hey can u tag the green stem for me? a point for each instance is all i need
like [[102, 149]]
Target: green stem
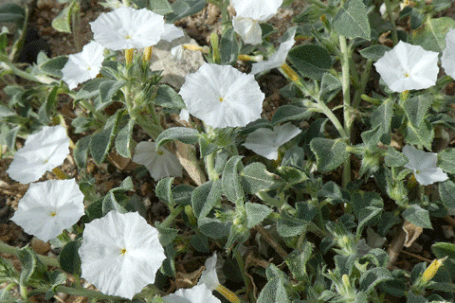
[[153, 130], [246, 280], [347, 105], [168, 221], [264, 196], [14, 70], [363, 83], [388, 6], [83, 292], [5, 248]]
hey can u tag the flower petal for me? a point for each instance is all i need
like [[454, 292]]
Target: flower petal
[[42, 151], [49, 207], [248, 29], [120, 254], [196, 294], [448, 54]]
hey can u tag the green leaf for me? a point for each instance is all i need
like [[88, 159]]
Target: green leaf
[[256, 213], [394, 158], [200, 243], [292, 175], [54, 66], [446, 160], [11, 12], [373, 277], [417, 107], [444, 249], [274, 292], [110, 202], [329, 153], [289, 226], [48, 106], [182, 194], [330, 86], [62, 23], [166, 234], [109, 88], [351, 20], [167, 97], [420, 136], [205, 197], [297, 260], [161, 7], [383, 116], [447, 193], [214, 228], [182, 134], [101, 141], [418, 216], [310, 60], [32, 268], [255, 178], [8, 136], [431, 35], [124, 139], [163, 190], [183, 8], [374, 52], [80, 152], [289, 113], [90, 89], [69, 258], [229, 47], [231, 181], [413, 298]]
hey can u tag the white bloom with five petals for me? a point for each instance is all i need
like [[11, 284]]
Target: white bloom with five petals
[[160, 163], [126, 28], [423, 164], [222, 96], [120, 254], [49, 207], [448, 54], [277, 59], [83, 66], [196, 294], [408, 67], [265, 142], [42, 152]]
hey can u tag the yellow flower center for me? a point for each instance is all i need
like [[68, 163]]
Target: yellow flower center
[[221, 99], [417, 171], [406, 75], [53, 214], [160, 152], [128, 37], [123, 251]]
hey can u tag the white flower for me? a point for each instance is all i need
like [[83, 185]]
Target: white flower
[[120, 254], [448, 54], [49, 207], [171, 32], [222, 96], [277, 59], [423, 164], [249, 14], [408, 67], [265, 142], [126, 28], [209, 276], [42, 152], [83, 66], [160, 163], [196, 294]]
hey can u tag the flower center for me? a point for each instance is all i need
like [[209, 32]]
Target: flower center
[[221, 99], [123, 251], [406, 75], [417, 171], [53, 214], [128, 37], [160, 152]]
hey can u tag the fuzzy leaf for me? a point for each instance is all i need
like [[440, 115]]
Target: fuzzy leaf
[[431, 35], [447, 193], [351, 20], [256, 213], [329, 153], [124, 139], [288, 112], [255, 178], [182, 134], [416, 108], [374, 52], [420, 136], [394, 158], [446, 160], [231, 181], [167, 97], [101, 141], [205, 197], [69, 258], [310, 60], [418, 216]]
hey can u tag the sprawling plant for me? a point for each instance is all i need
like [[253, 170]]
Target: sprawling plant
[[312, 205]]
